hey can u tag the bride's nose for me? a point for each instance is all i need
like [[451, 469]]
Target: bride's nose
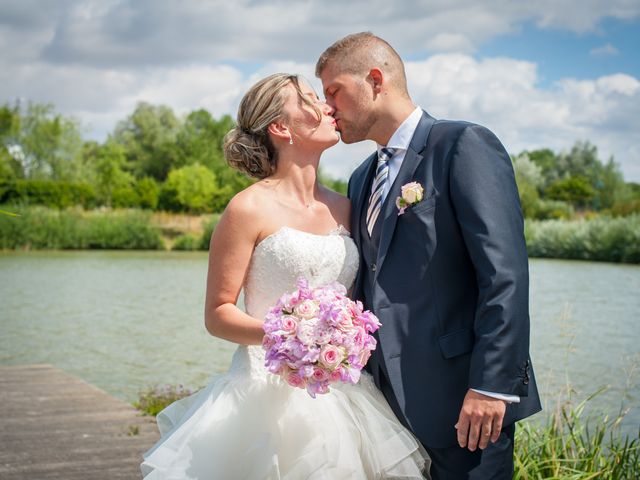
[[327, 109]]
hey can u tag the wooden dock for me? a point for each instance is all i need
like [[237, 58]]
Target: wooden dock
[[56, 426]]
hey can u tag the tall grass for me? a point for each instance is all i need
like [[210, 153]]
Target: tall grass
[[570, 446], [44, 228], [600, 239], [197, 242]]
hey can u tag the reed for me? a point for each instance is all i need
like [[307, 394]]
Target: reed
[[570, 445], [44, 228]]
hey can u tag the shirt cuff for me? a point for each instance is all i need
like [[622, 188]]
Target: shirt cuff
[[499, 396]]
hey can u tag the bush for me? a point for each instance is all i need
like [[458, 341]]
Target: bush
[[148, 193], [600, 239], [553, 210], [43, 228], [208, 226], [50, 193], [192, 188], [187, 242]]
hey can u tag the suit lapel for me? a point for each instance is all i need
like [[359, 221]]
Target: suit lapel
[[409, 165]]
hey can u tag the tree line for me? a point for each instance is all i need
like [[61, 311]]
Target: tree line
[[157, 160]]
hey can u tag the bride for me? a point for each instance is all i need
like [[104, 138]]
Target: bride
[[247, 423]]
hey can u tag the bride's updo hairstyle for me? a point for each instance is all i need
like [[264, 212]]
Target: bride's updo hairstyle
[[248, 147]]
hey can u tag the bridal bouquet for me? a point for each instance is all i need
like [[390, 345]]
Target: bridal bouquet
[[318, 336]]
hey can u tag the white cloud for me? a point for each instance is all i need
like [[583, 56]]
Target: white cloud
[[127, 33], [604, 51], [96, 58], [503, 94]]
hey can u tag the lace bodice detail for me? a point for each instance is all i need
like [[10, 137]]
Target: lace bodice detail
[[277, 263]]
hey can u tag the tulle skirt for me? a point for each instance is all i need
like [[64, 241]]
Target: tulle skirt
[[248, 426]]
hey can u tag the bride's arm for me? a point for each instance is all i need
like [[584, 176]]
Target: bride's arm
[[230, 251]]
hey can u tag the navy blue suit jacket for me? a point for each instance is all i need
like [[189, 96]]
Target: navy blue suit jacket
[[451, 281]]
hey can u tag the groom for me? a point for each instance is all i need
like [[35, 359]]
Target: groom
[[447, 274]]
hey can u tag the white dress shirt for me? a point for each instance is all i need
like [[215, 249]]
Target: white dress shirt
[[400, 140]]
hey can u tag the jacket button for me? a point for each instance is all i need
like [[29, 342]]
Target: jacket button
[[525, 380], [373, 267]]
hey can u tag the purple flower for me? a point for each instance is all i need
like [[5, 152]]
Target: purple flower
[[318, 336]]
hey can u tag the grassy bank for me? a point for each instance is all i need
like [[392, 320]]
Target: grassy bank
[[599, 239], [44, 228]]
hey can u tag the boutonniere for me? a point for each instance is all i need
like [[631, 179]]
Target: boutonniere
[[411, 193]]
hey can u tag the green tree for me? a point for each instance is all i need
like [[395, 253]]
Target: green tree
[[149, 137], [193, 188], [42, 143], [111, 178], [546, 161], [575, 190], [148, 193]]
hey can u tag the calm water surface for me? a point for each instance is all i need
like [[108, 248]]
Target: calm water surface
[[127, 320]]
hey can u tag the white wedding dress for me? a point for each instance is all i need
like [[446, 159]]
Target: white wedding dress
[[248, 424]]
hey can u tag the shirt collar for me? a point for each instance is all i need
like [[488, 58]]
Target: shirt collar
[[401, 138]]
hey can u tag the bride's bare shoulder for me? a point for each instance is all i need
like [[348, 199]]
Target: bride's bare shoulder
[[246, 208], [340, 206]]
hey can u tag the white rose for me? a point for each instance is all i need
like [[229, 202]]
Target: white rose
[[412, 192]]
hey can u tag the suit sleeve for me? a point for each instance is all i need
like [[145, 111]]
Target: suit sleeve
[[487, 207]]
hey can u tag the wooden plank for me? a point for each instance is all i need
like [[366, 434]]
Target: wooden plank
[[56, 426]]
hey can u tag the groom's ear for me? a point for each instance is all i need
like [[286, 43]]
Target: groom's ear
[[377, 79]]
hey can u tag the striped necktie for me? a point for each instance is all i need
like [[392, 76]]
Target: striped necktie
[[375, 200]]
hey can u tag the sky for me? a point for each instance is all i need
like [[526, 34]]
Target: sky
[[539, 73]]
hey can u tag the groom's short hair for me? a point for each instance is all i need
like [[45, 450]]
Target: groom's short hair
[[359, 52]]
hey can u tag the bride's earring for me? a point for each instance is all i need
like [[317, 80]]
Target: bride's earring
[[290, 140]]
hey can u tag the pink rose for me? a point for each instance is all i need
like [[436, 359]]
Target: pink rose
[[306, 309], [364, 356], [288, 324], [331, 356], [319, 374], [295, 380]]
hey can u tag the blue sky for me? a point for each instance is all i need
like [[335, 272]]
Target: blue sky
[[540, 74], [610, 49]]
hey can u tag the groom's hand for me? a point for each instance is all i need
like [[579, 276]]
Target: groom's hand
[[480, 420]]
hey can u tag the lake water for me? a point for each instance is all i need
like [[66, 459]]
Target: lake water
[[128, 320]]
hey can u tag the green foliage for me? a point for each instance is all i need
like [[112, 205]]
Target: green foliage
[[553, 210], [148, 193], [54, 194], [149, 136], [44, 144], [43, 228], [624, 209], [187, 242], [155, 399], [192, 188], [599, 239], [209, 226], [575, 190], [111, 179], [570, 446], [336, 185]]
